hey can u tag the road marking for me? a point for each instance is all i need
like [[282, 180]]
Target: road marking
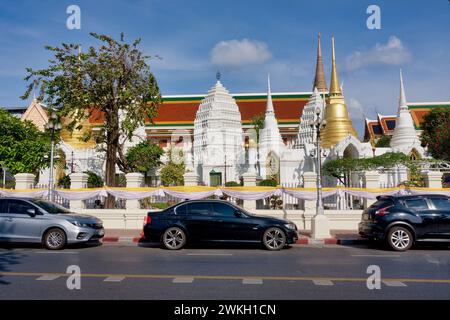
[[375, 256], [67, 252], [48, 277], [220, 277], [394, 283], [252, 281], [183, 280], [209, 254], [323, 282], [114, 279]]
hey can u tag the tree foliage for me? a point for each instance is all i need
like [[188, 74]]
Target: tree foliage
[[143, 157], [111, 82], [342, 167], [23, 148], [383, 142], [436, 133], [172, 172]]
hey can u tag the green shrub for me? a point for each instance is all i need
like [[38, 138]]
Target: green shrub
[[267, 183]]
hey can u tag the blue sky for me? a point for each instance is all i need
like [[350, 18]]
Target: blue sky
[[246, 40]]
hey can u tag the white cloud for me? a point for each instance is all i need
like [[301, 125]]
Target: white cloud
[[238, 53], [391, 53], [355, 108]]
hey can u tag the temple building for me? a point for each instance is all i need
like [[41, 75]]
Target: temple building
[[216, 133]]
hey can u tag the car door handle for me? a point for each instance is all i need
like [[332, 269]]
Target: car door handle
[[8, 219]]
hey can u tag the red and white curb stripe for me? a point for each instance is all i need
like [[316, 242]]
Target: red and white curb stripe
[[300, 241]]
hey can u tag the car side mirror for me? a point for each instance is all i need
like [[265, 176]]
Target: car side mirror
[[237, 214], [31, 212]]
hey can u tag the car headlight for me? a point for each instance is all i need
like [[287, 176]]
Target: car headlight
[[80, 224], [290, 226]]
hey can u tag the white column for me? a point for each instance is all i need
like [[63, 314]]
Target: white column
[[134, 180], [78, 180], [371, 181], [433, 179], [24, 180], [190, 179], [310, 181], [250, 181]]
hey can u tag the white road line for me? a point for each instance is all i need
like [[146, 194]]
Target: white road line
[[252, 281], [67, 252], [322, 282], [375, 256], [209, 254], [48, 277], [394, 284], [183, 280], [114, 279]]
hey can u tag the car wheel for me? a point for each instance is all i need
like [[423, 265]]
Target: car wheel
[[55, 239], [174, 238], [274, 239], [400, 239]]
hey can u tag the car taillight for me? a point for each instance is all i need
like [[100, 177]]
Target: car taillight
[[382, 211], [147, 220]]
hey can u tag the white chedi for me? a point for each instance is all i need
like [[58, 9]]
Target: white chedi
[[270, 140], [405, 137], [218, 136]]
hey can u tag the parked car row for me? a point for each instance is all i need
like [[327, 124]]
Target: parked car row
[[398, 221]]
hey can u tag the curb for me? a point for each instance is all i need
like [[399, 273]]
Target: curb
[[336, 241], [121, 239], [300, 241]]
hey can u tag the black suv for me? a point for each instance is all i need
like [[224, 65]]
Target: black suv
[[217, 221], [402, 220]]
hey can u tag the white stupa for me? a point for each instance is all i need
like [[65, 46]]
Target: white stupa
[[404, 138], [218, 136], [306, 133], [270, 141]]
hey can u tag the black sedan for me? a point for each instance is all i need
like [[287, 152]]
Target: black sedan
[[402, 220], [216, 221]]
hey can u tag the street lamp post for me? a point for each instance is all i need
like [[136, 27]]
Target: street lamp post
[[319, 223], [318, 124], [53, 125]]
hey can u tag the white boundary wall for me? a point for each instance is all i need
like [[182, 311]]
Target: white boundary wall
[[134, 219]]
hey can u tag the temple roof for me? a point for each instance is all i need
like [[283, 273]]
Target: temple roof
[[385, 124], [181, 109]]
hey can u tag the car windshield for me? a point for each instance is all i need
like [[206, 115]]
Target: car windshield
[[51, 207]]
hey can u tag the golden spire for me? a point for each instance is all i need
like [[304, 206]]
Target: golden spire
[[338, 122], [335, 88], [319, 80]]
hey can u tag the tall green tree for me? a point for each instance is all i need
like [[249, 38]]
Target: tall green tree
[[436, 133], [112, 79], [23, 148]]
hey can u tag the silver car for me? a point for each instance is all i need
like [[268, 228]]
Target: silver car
[[41, 221]]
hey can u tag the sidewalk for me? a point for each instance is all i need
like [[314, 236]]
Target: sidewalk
[[341, 237]]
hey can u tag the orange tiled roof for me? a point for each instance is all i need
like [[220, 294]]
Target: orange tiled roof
[[181, 110]]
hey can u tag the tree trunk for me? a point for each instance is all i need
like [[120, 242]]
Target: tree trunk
[[112, 140]]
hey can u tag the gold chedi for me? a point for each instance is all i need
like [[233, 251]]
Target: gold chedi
[[74, 138], [338, 122]]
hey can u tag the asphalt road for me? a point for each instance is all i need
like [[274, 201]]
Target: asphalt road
[[118, 271]]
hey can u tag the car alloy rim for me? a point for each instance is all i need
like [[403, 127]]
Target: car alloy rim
[[400, 239], [55, 239], [274, 238], [173, 238]]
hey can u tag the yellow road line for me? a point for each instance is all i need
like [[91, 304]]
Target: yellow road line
[[219, 277]]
